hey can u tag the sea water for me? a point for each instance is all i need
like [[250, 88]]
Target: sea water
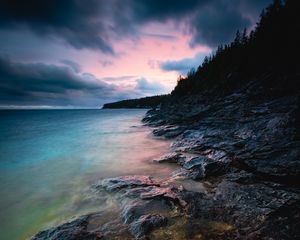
[[49, 159]]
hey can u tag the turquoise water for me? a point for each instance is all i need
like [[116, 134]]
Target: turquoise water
[[50, 158]]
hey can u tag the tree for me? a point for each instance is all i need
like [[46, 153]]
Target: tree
[[191, 73], [220, 49], [244, 37], [205, 61], [237, 39]]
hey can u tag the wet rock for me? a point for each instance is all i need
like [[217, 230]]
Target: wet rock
[[144, 188], [145, 204], [146, 223], [134, 209], [174, 157], [118, 183], [203, 167], [168, 131], [77, 229], [247, 147]]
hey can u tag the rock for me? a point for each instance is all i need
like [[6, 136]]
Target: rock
[[145, 204], [168, 131], [135, 208], [247, 148], [77, 229], [144, 188], [286, 221], [118, 183], [173, 157], [243, 148], [146, 223], [204, 167]]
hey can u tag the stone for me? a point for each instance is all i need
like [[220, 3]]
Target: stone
[[146, 223], [173, 157], [77, 229], [115, 184]]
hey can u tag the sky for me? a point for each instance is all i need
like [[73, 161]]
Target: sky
[[84, 53]]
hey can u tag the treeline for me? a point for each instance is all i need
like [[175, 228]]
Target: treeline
[[146, 102], [272, 46]]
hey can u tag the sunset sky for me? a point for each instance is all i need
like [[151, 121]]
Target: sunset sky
[[84, 53]]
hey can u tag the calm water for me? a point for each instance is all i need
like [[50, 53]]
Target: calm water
[[49, 159]]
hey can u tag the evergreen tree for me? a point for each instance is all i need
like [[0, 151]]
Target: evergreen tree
[[237, 39], [274, 39], [244, 37]]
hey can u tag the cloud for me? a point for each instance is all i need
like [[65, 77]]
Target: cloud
[[119, 78], [209, 22], [161, 11], [75, 66], [44, 84], [149, 87], [216, 24], [160, 36], [106, 63], [184, 65], [51, 86], [98, 24], [77, 22]]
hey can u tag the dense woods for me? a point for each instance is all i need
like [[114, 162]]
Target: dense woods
[[269, 52], [273, 46]]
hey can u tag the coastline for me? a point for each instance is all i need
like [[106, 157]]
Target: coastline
[[51, 159], [236, 179]]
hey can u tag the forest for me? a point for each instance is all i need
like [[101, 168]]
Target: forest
[[271, 48]]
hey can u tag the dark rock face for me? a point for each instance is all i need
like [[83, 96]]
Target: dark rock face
[[260, 134], [246, 146]]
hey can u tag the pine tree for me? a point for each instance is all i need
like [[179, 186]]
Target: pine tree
[[205, 61], [237, 39], [244, 37]]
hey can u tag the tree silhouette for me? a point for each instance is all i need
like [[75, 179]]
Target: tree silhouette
[[272, 46]]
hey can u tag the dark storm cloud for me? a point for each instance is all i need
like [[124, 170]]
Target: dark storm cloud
[[157, 10], [95, 24], [209, 22], [216, 24], [78, 22], [23, 83]]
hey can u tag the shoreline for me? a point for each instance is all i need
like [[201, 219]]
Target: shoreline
[[226, 185]]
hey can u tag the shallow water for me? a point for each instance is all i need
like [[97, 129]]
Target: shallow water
[[50, 158]]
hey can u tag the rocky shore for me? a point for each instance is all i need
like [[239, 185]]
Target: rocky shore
[[238, 174]]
